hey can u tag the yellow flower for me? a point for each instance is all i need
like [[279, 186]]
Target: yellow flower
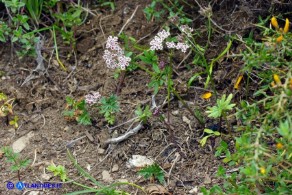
[[286, 28], [273, 84], [206, 95], [279, 146], [236, 85], [262, 170], [277, 79], [274, 22], [280, 39]]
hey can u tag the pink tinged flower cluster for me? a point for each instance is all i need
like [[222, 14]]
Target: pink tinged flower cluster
[[114, 55], [156, 43], [179, 46], [92, 98]]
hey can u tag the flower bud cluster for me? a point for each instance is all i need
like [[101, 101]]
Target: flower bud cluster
[[114, 55]]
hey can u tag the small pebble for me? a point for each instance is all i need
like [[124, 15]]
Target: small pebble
[[115, 168], [100, 151], [175, 113]]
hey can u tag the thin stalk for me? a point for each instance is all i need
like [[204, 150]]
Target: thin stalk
[[18, 175], [201, 121], [57, 52], [169, 87]]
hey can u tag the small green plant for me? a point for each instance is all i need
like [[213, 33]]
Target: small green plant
[[21, 23], [17, 162], [108, 107], [58, 171], [14, 5], [151, 12], [34, 8], [6, 109], [98, 187], [76, 110], [220, 110], [143, 115], [16, 30], [159, 75], [107, 3], [152, 172], [210, 134]]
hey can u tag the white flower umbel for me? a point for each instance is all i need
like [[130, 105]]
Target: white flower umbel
[[114, 55], [92, 98], [157, 42]]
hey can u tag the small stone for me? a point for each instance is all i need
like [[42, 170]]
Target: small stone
[[22, 142], [34, 193], [46, 177], [115, 168], [122, 180], [100, 151], [88, 167], [139, 161], [106, 176], [35, 118], [89, 136], [175, 113], [194, 190], [207, 179], [66, 128], [11, 130], [186, 120]]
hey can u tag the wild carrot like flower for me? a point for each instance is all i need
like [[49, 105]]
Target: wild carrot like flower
[[114, 55], [157, 42], [92, 98], [182, 46]]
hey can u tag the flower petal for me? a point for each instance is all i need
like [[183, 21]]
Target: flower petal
[[279, 39], [206, 95], [236, 85], [274, 22], [277, 79], [286, 28]]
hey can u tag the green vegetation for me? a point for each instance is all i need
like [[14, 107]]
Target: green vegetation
[[260, 102], [6, 110], [24, 21], [153, 172], [15, 159], [76, 110], [98, 188]]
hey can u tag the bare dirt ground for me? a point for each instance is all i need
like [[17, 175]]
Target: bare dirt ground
[[41, 101]]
